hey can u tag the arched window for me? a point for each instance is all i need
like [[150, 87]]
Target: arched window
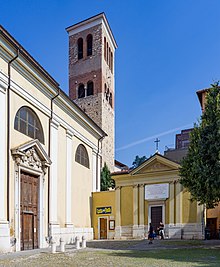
[[111, 62], [107, 53], [80, 48], [81, 91], [89, 45], [109, 56], [90, 88], [110, 99], [107, 95], [105, 48], [27, 122], [82, 156]]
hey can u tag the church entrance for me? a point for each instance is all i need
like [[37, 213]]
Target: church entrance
[[156, 216], [103, 227], [29, 211]]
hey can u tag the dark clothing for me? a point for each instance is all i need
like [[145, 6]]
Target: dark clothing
[[151, 232]]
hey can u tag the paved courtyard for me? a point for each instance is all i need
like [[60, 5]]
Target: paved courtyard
[[123, 253]]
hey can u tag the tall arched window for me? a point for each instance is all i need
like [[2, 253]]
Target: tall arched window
[[107, 53], [105, 48], [111, 62], [90, 88], [109, 56], [80, 48], [107, 95], [82, 156], [89, 44], [27, 122], [81, 91], [110, 99]]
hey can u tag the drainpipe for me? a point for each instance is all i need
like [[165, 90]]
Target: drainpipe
[[8, 131], [49, 146]]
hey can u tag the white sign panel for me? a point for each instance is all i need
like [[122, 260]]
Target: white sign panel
[[156, 191]]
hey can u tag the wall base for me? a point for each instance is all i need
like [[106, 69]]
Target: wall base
[[70, 233], [5, 245], [172, 231]]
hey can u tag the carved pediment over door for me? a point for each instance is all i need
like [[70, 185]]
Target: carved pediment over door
[[31, 155]]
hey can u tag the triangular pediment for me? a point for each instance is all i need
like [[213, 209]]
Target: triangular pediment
[[32, 154], [156, 163]]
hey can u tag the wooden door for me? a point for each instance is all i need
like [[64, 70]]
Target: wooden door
[[29, 211], [212, 226], [103, 228], [156, 216]]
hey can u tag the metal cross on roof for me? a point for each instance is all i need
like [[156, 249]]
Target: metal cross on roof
[[157, 144]]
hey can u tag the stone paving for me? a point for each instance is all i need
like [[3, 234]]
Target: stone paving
[[97, 253]]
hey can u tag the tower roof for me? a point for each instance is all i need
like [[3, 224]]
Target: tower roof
[[92, 21]]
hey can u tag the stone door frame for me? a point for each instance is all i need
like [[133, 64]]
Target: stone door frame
[[156, 204], [32, 159]]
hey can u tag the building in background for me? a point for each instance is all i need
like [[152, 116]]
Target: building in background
[[149, 193], [181, 146]]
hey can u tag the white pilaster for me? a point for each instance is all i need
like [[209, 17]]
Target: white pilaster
[[53, 171], [3, 164], [69, 159], [94, 170], [4, 226], [98, 183]]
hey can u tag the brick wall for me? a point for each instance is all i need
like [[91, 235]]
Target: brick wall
[[94, 68]]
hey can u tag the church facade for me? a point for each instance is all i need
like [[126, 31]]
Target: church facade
[[150, 193], [50, 149]]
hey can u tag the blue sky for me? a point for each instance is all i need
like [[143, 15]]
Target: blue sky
[[167, 50]]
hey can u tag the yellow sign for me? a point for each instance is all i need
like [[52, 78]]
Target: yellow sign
[[104, 210]]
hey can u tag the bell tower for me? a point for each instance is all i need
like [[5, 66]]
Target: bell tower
[[92, 78]]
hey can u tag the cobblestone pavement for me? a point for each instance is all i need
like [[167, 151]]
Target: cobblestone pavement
[[111, 253]]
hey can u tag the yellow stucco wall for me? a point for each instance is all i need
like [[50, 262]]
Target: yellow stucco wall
[[126, 205], [167, 210], [146, 207], [189, 209], [81, 189], [102, 199]]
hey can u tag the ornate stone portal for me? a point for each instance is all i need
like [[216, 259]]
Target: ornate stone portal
[[29, 158]]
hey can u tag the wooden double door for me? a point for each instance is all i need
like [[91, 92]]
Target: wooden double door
[[29, 211]]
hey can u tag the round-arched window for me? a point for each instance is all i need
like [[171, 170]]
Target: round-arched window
[[89, 45], [27, 122], [90, 87], [81, 91], [82, 156]]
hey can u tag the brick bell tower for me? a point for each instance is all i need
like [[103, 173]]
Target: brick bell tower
[[91, 76]]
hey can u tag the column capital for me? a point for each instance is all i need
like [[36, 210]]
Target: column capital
[[141, 185], [135, 185], [118, 187], [94, 150], [54, 123], [69, 133]]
